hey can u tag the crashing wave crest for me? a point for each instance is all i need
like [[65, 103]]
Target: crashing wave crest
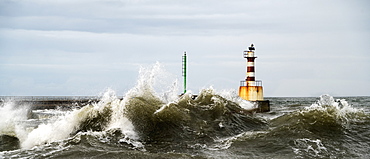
[[150, 111]]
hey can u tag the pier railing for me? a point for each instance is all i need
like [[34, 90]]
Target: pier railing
[[251, 83]]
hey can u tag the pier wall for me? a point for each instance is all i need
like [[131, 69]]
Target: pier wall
[[262, 106], [45, 102]]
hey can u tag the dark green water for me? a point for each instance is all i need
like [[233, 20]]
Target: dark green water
[[144, 125], [152, 121]]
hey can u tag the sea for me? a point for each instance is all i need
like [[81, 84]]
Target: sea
[[147, 122]]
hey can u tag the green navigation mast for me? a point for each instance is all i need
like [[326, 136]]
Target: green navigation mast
[[184, 70]]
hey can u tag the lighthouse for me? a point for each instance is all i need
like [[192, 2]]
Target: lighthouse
[[251, 89]]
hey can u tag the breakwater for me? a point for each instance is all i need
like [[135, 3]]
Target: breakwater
[[50, 102]]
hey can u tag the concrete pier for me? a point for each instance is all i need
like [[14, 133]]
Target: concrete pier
[[262, 106], [50, 102]]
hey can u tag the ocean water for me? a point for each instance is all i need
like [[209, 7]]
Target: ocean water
[[152, 121]]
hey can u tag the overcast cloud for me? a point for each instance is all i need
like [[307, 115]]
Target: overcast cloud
[[82, 47]]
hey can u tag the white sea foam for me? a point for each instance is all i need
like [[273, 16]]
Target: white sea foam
[[154, 80], [343, 112], [225, 143], [64, 125], [232, 95], [339, 107], [314, 147], [11, 117], [54, 131], [118, 120], [67, 124]]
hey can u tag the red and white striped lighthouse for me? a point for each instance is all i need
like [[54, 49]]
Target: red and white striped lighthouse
[[250, 89], [249, 54]]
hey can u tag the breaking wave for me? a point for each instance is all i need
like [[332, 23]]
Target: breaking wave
[[310, 131], [145, 115], [153, 119]]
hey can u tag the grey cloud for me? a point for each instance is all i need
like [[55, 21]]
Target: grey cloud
[[82, 44]]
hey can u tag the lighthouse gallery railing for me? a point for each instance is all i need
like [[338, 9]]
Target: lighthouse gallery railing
[[256, 83]]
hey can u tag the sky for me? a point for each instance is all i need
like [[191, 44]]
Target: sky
[[82, 47]]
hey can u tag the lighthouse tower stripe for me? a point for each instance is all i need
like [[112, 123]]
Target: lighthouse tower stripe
[[250, 69], [249, 79], [250, 74], [250, 66]]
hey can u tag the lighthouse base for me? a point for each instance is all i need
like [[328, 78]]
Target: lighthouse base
[[254, 94], [251, 93], [261, 106]]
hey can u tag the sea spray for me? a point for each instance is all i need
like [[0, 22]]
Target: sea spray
[[155, 81], [339, 110], [107, 114], [232, 95], [118, 120], [11, 127], [58, 130], [149, 96], [93, 117], [11, 115]]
